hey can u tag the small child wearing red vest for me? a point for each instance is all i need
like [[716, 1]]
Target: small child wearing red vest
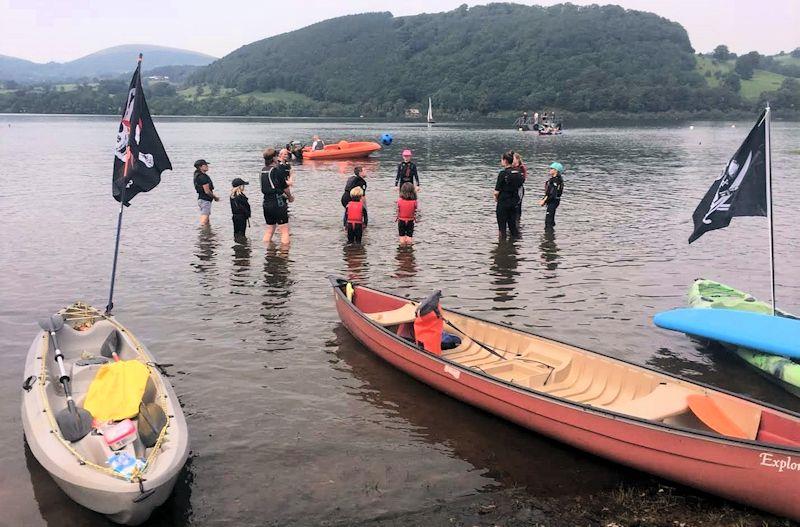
[[406, 213], [354, 218]]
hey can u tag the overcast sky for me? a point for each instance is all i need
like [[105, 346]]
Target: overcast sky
[[62, 30]]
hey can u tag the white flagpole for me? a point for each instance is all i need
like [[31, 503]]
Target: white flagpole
[[769, 205]]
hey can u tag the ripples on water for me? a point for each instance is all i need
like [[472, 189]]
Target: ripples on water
[[291, 420]]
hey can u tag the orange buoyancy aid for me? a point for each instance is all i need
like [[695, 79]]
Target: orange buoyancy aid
[[428, 331], [406, 209], [355, 212]]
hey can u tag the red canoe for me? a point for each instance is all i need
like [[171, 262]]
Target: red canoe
[[342, 150], [688, 432]]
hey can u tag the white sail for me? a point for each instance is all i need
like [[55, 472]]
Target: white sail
[[430, 111]]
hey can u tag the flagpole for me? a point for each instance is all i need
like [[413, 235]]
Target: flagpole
[[769, 205], [110, 304]]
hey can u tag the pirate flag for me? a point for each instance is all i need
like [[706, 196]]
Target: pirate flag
[[741, 189], [138, 144]]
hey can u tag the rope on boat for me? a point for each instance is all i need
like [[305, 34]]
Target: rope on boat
[[81, 311]]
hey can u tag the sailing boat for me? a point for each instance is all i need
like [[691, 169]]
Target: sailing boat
[[430, 112]]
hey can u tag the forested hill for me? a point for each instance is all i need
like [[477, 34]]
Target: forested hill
[[481, 59]]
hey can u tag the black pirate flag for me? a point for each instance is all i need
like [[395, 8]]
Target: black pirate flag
[[140, 157], [741, 189]]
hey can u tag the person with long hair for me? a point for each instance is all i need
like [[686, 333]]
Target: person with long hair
[[240, 207], [524, 171], [406, 213]]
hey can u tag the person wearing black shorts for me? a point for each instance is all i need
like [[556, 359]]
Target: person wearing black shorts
[[277, 196]]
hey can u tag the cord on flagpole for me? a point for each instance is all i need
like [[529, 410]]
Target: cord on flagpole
[[768, 153], [110, 304]]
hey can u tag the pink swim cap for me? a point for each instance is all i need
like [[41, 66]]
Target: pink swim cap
[[406, 152]]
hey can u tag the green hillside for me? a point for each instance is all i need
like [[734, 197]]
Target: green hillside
[[751, 89], [484, 59]]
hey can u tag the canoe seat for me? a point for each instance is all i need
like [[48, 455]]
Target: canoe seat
[[726, 417], [401, 315], [666, 400]]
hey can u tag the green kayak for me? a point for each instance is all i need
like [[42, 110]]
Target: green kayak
[[709, 294]]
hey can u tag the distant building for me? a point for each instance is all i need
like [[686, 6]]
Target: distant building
[[158, 78], [412, 113]]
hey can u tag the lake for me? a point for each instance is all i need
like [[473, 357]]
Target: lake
[[292, 421]]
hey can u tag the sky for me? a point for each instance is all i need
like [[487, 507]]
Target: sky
[[63, 30]]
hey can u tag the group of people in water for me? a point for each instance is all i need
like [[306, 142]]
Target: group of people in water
[[277, 180]]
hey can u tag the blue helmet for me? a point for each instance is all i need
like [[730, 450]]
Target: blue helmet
[[558, 166]]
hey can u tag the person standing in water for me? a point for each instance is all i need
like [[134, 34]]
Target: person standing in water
[[240, 207], [519, 165], [406, 213], [356, 180], [506, 194], [553, 188], [355, 216], [407, 172], [277, 197], [205, 190]]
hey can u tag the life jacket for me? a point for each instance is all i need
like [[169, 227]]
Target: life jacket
[[406, 209], [355, 212], [429, 324]]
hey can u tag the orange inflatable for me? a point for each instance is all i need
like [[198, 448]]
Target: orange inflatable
[[342, 150]]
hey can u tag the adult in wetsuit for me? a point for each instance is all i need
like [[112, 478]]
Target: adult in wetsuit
[[553, 188], [506, 194], [406, 172], [277, 196]]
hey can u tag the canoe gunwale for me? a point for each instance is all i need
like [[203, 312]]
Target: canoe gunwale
[[783, 449]]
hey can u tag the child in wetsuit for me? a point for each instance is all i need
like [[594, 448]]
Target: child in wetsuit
[[240, 207], [406, 213], [354, 218]]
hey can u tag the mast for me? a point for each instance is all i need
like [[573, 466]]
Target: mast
[[430, 110], [768, 153]]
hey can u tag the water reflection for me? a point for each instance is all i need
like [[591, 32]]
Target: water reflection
[[504, 452], [355, 258], [277, 286], [505, 259], [549, 249], [242, 251], [205, 249], [406, 261]]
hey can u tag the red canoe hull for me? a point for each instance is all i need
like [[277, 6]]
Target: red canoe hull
[[764, 476]]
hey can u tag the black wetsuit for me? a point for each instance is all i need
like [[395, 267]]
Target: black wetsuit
[[406, 173], [240, 213], [553, 188], [273, 183], [509, 180]]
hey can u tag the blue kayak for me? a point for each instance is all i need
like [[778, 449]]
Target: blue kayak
[[756, 331]]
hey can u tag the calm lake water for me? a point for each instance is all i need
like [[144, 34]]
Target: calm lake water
[[292, 421]]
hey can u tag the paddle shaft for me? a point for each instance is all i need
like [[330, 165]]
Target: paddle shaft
[[65, 381], [481, 344]]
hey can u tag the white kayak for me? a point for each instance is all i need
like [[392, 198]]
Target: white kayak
[[83, 468]]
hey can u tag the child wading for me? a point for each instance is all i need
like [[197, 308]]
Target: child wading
[[356, 180], [406, 213], [553, 188], [240, 207], [406, 172], [354, 219]]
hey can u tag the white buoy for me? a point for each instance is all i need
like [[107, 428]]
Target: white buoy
[[691, 127], [733, 126]]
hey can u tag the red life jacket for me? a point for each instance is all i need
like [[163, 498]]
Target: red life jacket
[[355, 212], [428, 332], [406, 209]]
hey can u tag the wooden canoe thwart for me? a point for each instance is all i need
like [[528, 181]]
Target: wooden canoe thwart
[[685, 431]]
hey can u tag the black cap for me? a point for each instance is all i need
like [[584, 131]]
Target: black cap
[[200, 162], [238, 182]]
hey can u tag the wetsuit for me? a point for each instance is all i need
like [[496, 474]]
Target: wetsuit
[[406, 214], [273, 183], [240, 213], [524, 170], [354, 216], [406, 173], [508, 182], [553, 188], [353, 182]]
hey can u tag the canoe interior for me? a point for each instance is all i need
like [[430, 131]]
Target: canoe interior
[[82, 361], [588, 378]]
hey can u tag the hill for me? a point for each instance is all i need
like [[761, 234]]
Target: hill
[[482, 59], [106, 63]]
